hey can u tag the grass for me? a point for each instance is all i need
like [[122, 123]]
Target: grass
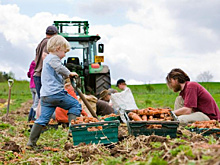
[[150, 95], [158, 95], [20, 93]]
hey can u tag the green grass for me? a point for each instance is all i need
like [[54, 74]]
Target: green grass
[[154, 95], [148, 95], [20, 92], [158, 95]]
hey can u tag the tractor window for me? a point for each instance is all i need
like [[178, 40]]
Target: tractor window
[[93, 53], [77, 50]]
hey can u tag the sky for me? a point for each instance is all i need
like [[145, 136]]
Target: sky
[[143, 39]]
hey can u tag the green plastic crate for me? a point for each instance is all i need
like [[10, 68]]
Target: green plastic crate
[[137, 128], [108, 134], [206, 131], [112, 118]]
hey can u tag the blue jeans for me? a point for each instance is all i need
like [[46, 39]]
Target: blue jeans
[[37, 82], [61, 99]]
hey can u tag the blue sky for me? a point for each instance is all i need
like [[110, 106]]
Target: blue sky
[[144, 39]]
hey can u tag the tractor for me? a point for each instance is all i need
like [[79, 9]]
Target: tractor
[[83, 57]]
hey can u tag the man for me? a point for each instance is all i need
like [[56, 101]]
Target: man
[[124, 99], [41, 52], [194, 102]]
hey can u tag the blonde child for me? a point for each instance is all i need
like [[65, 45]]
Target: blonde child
[[52, 91]]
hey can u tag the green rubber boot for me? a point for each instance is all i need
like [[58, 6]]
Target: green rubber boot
[[34, 136], [71, 117]]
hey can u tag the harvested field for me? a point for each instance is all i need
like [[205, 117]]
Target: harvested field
[[187, 148]]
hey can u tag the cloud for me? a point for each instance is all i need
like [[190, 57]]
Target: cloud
[[143, 40]]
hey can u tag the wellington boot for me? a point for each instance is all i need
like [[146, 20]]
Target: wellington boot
[[71, 117], [35, 134]]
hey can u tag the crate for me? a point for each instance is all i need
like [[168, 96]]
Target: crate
[[108, 134], [112, 118], [137, 128], [205, 131]]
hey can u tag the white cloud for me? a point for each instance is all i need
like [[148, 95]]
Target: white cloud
[[160, 36]]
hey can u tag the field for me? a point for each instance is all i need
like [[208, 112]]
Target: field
[[56, 147]]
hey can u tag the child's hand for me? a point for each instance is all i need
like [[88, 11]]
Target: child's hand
[[73, 74]]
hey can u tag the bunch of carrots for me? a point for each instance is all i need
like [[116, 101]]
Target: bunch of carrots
[[150, 114], [110, 115], [205, 124], [52, 121], [86, 119]]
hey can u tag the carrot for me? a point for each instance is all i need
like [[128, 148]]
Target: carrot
[[144, 118], [136, 117], [135, 110], [130, 114], [99, 127], [141, 112], [162, 115]]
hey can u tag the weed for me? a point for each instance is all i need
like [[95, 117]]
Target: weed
[[9, 155], [178, 140], [156, 153], [114, 161], [140, 152], [148, 102], [187, 150], [204, 157], [211, 139], [12, 131], [4, 125], [155, 144], [156, 161], [149, 88], [168, 137]]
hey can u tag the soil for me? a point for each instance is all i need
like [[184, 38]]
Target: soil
[[135, 149], [2, 101], [11, 146]]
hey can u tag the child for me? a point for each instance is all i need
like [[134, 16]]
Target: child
[[35, 98], [52, 91]]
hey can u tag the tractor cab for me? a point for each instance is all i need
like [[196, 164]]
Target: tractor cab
[[83, 57]]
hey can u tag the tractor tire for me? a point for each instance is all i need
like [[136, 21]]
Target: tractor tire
[[103, 81]]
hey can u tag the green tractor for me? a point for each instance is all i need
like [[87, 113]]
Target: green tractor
[[83, 57]]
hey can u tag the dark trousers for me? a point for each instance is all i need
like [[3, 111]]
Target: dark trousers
[[37, 82]]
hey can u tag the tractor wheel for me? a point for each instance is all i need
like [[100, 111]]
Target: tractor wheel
[[103, 81]]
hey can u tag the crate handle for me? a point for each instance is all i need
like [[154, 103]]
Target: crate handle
[[105, 137]]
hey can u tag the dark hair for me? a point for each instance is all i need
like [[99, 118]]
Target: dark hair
[[120, 81], [177, 74]]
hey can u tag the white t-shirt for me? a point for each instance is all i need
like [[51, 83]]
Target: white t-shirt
[[123, 100]]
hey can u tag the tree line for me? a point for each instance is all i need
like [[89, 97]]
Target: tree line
[[5, 76]]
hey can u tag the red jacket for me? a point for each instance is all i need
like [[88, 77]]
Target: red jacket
[[61, 114]]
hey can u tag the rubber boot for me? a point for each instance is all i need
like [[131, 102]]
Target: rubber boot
[[34, 136], [71, 117]]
